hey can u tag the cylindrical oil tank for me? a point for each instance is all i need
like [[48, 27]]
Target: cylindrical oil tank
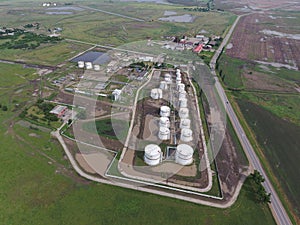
[[164, 122], [185, 123], [152, 154], [164, 133], [184, 154], [165, 111], [156, 93], [186, 135], [183, 113]]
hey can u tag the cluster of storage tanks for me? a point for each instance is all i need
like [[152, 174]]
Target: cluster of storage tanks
[[88, 65], [156, 93], [185, 122], [184, 153]]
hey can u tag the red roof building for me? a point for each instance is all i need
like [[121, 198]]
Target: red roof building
[[198, 48]]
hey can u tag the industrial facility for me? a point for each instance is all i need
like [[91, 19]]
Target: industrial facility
[[174, 125]]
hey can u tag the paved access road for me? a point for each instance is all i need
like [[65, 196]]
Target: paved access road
[[276, 206]]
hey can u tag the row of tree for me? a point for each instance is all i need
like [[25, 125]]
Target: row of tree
[[260, 194]]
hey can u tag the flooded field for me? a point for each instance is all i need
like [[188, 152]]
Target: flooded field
[[186, 18], [65, 8], [151, 1], [59, 13]]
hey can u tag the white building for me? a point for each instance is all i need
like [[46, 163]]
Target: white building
[[152, 155], [184, 154]]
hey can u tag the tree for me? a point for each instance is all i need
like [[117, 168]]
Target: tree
[[69, 121], [4, 108], [260, 194]]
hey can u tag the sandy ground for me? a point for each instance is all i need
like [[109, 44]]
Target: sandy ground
[[94, 162]]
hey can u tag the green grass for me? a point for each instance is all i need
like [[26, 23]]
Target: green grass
[[17, 75], [50, 54], [284, 106], [113, 129], [230, 69], [279, 140]]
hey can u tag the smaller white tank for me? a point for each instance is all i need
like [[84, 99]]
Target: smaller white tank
[[183, 103], [180, 87], [88, 65], [156, 93], [178, 80], [183, 113], [168, 78], [97, 67], [163, 85], [164, 133], [185, 123], [164, 122], [165, 111], [186, 135], [152, 155], [184, 154], [80, 64], [182, 94]]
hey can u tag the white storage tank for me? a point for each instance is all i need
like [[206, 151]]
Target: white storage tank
[[152, 155], [80, 64], [185, 123], [97, 67], [183, 103], [164, 122], [186, 135], [182, 94], [165, 111], [180, 87], [164, 133], [183, 113], [168, 78], [88, 65], [156, 93], [184, 154], [163, 85]]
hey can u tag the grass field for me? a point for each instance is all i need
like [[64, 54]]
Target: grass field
[[113, 129], [284, 106], [17, 75], [241, 74], [231, 70], [279, 140]]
